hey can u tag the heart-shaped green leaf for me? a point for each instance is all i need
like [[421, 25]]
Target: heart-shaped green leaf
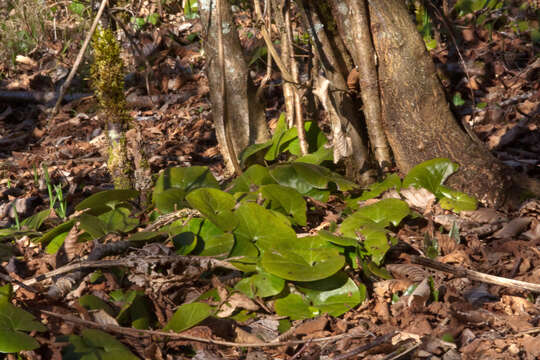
[[303, 265], [184, 243], [93, 225], [102, 201], [288, 199], [253, 149], [286, 175], [315, 139], [92, 302], [255, 175], [375, 243], [96, 344], [55, 231], [322, 154], [13, 321], [145, 235], [339, 240], [217, 246], [263, 227], [188, 315], [135, 309], [335, 295], [216, 205], [261, 284], [118, 220], [430, 174], [244, 253], [316, 176], [456, 200], [56, 243], [185, 179], [391, 181], [280, 140], [295, 307], [34, 222], [382, 213], [170, 200]]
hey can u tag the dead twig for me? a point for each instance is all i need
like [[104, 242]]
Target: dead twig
[[130, 261], [270, 45], [172, 335], [378, 341], [66, 84], [475, 275]]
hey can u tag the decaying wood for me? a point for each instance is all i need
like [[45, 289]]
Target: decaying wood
[[416, 117]]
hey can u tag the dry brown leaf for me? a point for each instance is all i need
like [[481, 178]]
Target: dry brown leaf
[[103, 318], [484, 216], [456, 257], [243, 336], [420, 295], [534, 232], [386, 288], [407, 271], [418, 198], [446, 243], [235, 301], [311, 326], [513, 228], [531, 345], [381, 309], [71, 246]]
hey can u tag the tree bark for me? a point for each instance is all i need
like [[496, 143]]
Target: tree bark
[[416, 117], [244, 111], [341, 109]]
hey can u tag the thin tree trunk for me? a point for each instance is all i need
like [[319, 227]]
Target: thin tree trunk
[[346, 124], [244, 112], [416, 117], [364, 57]]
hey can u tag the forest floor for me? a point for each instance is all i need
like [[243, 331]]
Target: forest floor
[[493, 85]]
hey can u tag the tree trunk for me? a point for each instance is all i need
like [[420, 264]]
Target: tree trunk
[[244, 112], [342, 111], [416, 117], [411, 105]]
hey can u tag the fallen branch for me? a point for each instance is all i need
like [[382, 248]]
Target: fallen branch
[[173, 335], [475, 275], [133, 100], [130, 261]]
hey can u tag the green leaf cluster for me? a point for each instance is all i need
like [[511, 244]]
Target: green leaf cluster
[[430, 175], [285, 140], [14, 325]]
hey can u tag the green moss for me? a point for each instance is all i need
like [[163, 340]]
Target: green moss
[[107, 74], [107, 78]]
